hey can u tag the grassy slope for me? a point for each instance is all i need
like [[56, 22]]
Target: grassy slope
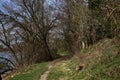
[[102, 62], [31, 73]]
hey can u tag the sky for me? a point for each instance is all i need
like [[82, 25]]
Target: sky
[[4, 1]]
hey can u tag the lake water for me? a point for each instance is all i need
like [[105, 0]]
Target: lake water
[[6, 55]]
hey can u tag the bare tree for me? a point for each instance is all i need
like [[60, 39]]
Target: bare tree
[[33, 21], [6, 39]]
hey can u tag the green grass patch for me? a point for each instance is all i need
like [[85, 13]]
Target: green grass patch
[[31, 73], [62, 53]]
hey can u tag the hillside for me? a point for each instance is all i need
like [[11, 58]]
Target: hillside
[[100, 62], [97, 62]]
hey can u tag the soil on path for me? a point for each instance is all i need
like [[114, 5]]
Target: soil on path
[[50, 65]]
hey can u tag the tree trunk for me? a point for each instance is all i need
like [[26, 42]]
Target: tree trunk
[[48, 49], [83, 44]]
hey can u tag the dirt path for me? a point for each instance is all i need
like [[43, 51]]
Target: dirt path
[[44, 76], [50, 65]]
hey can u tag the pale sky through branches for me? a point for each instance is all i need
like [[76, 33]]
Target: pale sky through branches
[[4, 1]]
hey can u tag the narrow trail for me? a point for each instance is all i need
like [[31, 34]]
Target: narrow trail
[[44, 76], [50, 65]]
